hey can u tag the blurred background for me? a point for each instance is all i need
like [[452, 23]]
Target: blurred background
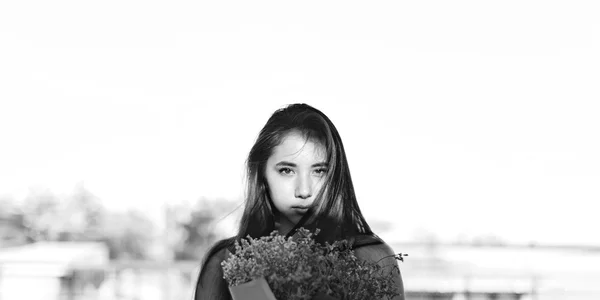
[[471, 129]]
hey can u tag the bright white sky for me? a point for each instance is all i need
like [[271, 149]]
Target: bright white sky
[[460, 118]]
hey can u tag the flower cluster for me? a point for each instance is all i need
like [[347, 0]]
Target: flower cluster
[[297, 268]]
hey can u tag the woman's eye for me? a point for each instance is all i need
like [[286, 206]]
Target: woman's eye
[[285, 171], [321, 172]]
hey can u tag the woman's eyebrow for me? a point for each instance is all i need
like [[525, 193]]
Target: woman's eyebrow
[[291, 164], [285, 164], [321, 164]]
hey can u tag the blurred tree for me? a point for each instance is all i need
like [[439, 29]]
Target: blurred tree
[[82, 217], [128, 235], [79, 217], [43, 217], [191, 228], [86, 216], [13, 231], [194, 227]]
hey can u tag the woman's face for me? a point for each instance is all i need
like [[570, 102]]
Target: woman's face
[[295, 173]]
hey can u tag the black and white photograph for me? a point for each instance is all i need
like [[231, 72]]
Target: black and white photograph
[[286, 150]]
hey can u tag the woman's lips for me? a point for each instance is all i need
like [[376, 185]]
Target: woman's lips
[[300, 208]]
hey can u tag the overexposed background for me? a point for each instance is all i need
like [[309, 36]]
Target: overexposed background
[[460, 119]]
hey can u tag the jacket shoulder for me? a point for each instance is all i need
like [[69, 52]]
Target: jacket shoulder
[[364, 240]]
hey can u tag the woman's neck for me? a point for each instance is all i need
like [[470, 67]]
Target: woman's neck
[[284, 225]]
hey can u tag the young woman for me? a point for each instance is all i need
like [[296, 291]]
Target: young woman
[[298, 176]]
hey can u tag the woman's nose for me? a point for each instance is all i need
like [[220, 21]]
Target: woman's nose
[[303, 187]]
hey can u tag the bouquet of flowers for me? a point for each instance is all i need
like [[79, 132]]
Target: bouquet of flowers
[[298, 268]]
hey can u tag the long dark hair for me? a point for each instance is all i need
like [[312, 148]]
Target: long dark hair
[[336, 212]]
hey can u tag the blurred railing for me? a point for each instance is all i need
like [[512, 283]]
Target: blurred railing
[[123, 280], [141, 280], [145, 280]]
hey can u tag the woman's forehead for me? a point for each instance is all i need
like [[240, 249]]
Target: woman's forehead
[[296, 147]]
